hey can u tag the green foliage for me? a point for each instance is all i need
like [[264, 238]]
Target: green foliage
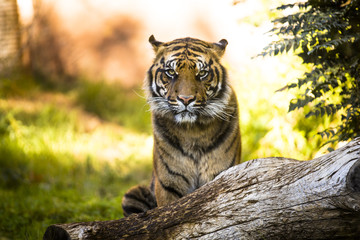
[[326, 35]]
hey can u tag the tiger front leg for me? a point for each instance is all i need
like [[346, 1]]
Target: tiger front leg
[[138, 199], [165, 193]]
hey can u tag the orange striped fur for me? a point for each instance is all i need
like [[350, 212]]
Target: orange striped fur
[[195, 121]]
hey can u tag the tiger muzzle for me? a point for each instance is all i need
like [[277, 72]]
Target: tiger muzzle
[[186, 99]]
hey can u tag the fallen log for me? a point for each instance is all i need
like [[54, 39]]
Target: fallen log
[[269, 198]]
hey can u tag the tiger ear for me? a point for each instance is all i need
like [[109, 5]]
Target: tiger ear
[[220, 47], [155, 43]]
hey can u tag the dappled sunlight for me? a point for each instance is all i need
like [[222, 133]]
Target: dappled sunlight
[[105, 141], [75, 127], [268, 129], [113, 46], [111, 143]]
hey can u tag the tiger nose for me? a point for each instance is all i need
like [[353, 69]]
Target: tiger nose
[[186, 99]]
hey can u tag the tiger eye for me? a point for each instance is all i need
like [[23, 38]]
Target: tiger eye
[[170, 72], [202, 73]]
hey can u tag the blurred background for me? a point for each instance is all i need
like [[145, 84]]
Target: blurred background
[[75, 129]]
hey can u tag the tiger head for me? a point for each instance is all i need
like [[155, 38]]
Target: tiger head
[[187, 82]]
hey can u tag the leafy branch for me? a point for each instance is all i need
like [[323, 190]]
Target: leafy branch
[[326, 35]]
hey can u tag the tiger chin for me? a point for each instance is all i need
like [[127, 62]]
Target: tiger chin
[[195, 121]]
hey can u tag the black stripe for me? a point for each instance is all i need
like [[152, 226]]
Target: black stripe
[[234, 158], [129, 210], [199, 42], [223, 79], [181, 65], [159, 70], [194, 54], [184, 53], [220, 92], [136, 198], [150, 78], [218, 81], [217, 72], [196, 49], [173, 141], [232, 141], [174, 42], [219, 138], [210, 80], [171, 171], [176, 48], [165, 133], [231, 164], [144, 191], [162, 61], [148, 196], [170, 189], [152, 184], [192, 63]]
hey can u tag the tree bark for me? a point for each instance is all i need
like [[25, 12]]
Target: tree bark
[[10, 54], [269, 198]]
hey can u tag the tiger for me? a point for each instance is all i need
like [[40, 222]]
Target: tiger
[[195, 121]]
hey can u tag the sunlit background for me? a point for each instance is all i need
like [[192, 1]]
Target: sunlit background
[[74, 123], [107, 41]]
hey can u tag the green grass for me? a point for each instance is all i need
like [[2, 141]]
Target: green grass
[[55, 169], [113, 103], [69, 154]]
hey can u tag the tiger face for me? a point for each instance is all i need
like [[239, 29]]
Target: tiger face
[[187, 82]]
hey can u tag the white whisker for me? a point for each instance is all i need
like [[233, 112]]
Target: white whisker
[[215, 108], [139, 94]]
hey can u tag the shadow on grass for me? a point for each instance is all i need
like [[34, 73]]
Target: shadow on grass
[[49, 167], [41, 184]]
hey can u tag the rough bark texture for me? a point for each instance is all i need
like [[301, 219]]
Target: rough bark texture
[[269, 198]]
